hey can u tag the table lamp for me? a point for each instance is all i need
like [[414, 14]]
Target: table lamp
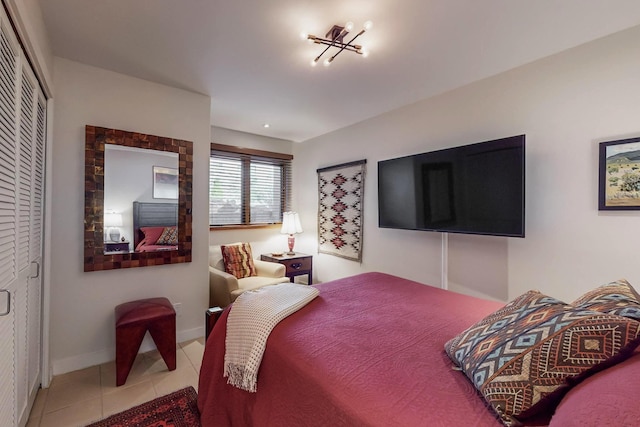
[[291, 225], [113, 221]]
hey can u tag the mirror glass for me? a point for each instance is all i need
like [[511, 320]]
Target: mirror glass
[[137, 199], [149, 177]]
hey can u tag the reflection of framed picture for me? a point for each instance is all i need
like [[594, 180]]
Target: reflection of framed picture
[[165, 183], [619, 183]]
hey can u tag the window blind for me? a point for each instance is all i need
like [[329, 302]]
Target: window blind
[[248, 189]]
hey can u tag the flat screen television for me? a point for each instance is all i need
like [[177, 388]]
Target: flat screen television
[[474, 189]]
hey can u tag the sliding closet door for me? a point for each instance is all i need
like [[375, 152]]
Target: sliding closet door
[[8, 220], [22, 148], [35, 285], [28, 289]]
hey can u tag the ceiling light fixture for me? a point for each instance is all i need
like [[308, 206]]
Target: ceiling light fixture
[[335, 38]]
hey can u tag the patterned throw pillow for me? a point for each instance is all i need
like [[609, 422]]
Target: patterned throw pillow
[[617, 297], [525, 356], [169, 236], [459, 347], [238, 260]]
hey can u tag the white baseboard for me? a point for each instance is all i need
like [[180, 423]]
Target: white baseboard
[[190, 334], [81, 361]]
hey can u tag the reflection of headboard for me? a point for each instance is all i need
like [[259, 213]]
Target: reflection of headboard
[[152, 215]]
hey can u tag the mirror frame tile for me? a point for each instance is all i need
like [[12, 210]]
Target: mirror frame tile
[[95, 259]]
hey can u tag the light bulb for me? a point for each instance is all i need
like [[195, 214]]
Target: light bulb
[[304, 36], [368, 25], [364, 51], [314, 62], [348, 26], [327, 62]]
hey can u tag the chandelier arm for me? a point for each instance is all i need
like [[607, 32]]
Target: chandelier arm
[[347, 44], [322, 41], [352, 48]]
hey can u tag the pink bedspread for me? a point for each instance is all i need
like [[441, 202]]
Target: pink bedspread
[[368, 351]]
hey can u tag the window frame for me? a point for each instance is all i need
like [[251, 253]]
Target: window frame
[[247, 155]]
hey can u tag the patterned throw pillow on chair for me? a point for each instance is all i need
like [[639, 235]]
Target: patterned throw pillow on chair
[[525, 356], [238, 260]]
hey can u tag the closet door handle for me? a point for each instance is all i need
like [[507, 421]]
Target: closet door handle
[[37, 264], [8, 302]]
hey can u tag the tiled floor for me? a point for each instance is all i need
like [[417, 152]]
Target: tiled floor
[[81, 397]]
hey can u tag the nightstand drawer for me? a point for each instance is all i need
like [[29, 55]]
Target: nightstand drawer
[[300, 264], [297, 264], [116, 246]]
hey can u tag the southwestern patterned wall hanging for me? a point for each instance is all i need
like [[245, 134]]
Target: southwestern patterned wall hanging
[[340, 198]]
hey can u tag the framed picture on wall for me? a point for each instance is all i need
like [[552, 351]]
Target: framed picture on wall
[[619, 177], [165, 183]]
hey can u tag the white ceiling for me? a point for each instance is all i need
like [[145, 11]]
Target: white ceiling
[[249, 57]]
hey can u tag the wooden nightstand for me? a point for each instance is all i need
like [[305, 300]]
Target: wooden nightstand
[[116, 246], [296, 265]]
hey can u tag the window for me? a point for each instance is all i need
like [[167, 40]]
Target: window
[[247, 187]]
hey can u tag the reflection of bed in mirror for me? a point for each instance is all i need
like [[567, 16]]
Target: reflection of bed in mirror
[[155, 226]]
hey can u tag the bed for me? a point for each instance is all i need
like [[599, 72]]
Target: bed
[[155, 226], [369, 351]]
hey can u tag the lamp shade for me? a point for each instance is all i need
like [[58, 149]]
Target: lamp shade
[[291, 223], [113, 220]]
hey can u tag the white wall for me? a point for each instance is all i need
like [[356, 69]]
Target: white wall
[[264, 239], [566, 105], [82, 319], [249, 140]]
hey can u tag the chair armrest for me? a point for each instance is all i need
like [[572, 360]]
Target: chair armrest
[[221, 284], [269, 269]]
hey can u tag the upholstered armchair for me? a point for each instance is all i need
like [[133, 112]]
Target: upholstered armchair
[[224, 287]]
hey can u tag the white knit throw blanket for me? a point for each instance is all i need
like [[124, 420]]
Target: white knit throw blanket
[[253, 315]]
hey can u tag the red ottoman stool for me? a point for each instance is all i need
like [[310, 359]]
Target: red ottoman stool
[[133, 320]]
